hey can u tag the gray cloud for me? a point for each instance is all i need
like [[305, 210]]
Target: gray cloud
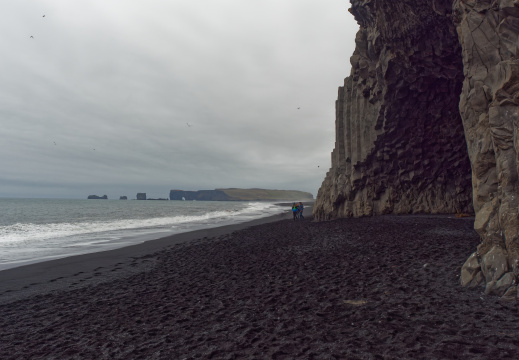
[[126, 79]]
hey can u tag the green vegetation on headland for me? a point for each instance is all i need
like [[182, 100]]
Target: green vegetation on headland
[[235, 194]]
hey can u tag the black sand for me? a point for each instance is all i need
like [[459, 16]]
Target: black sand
[[372, 288]]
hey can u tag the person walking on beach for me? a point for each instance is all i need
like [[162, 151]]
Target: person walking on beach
[[294, 210], [301, 208]]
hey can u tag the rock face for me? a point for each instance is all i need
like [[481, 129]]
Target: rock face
[[400, 145], [489, 33], [141, 196], [97, 197], [427, 122]]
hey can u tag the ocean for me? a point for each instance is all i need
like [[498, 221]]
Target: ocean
[[35, 230]]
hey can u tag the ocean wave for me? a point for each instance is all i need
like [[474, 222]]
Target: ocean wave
[[31, 233]]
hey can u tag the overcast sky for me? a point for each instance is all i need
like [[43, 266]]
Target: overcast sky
[[124, 96]]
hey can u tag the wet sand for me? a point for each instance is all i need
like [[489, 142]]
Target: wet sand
[[371, 288]]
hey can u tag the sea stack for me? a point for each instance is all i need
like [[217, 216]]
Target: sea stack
[[427, 122]]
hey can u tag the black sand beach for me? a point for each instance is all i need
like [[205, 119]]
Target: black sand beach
[[372, 288]]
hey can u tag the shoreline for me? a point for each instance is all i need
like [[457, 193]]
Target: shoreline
[[58, 235], [130, 237], [51, 275]]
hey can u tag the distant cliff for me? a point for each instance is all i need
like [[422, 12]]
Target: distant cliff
[[400, 144], [240, 195], [104, 197]]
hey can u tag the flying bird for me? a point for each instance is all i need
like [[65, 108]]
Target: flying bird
[[32, 37], [188, 125], [298, 108], [43, 16]]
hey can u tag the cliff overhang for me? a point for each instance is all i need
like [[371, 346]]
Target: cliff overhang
[[427, 122]]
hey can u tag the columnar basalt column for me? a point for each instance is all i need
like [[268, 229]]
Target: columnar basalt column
[[427, 122], [400, 144], [489, 106]]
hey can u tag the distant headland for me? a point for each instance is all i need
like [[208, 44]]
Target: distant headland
[[235, 194], [104, 197], [231, 194]]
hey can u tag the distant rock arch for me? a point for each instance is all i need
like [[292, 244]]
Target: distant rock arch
[[97, 197]]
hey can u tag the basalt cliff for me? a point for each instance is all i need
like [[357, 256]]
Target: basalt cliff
[[427, 122]]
